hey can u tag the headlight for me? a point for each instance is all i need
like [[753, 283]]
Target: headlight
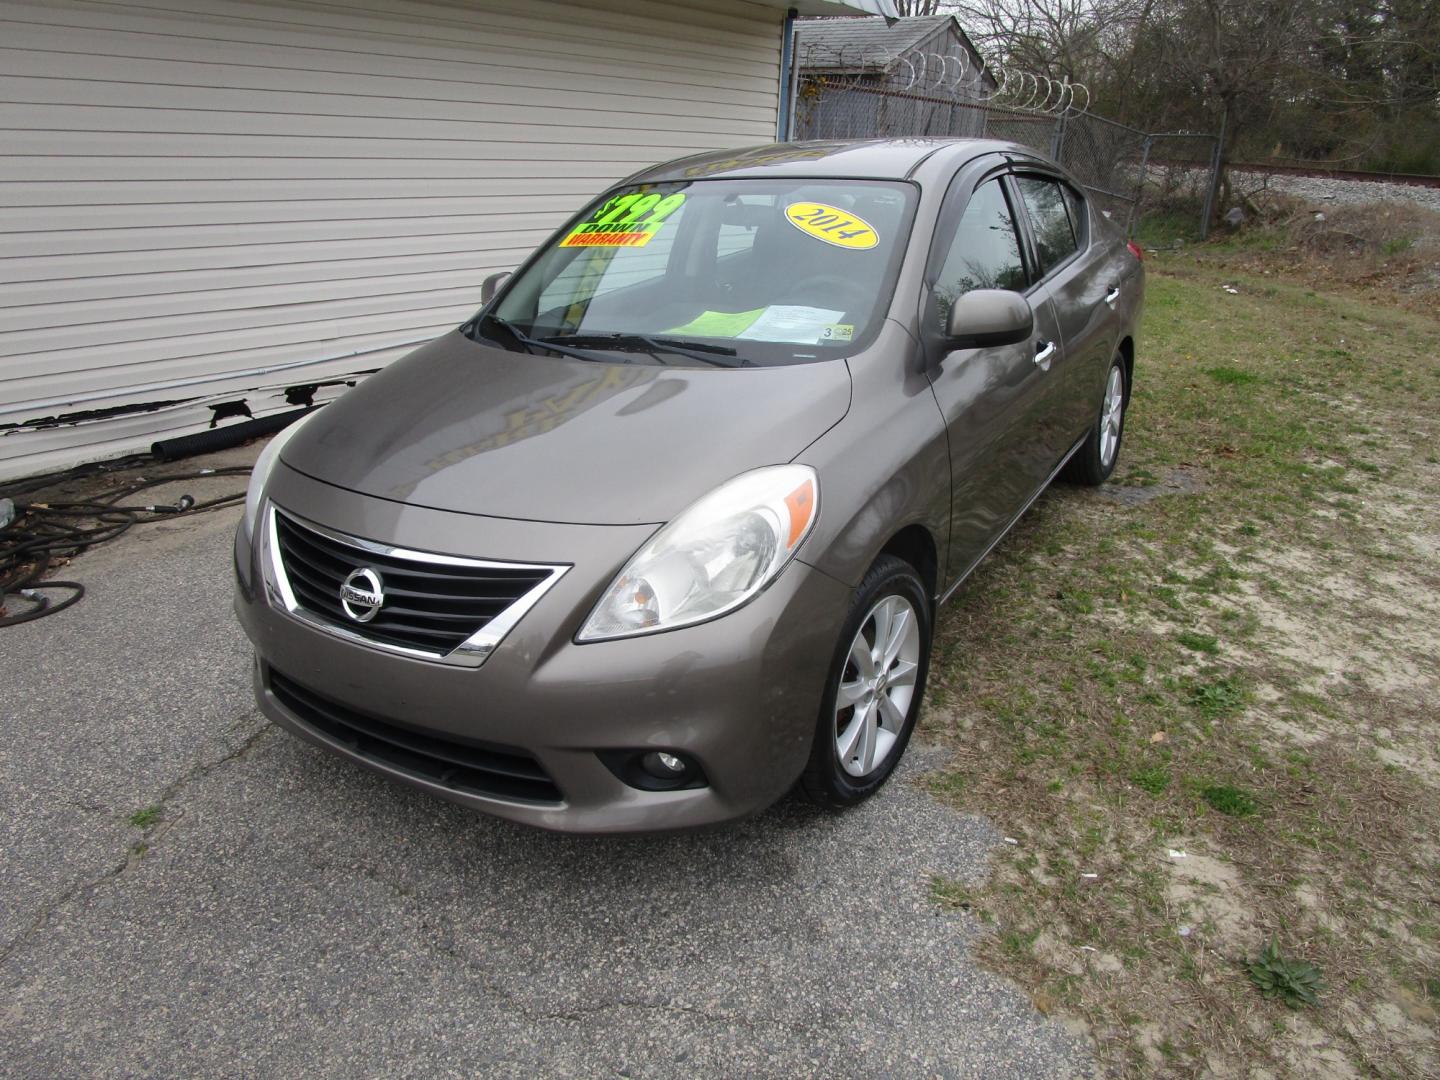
[[714, 557], [261, 472]]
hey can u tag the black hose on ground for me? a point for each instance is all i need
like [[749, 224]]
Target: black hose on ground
[[40, 533], [42, 603], [15, 488], [36, 534]]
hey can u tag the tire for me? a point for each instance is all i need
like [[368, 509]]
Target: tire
[[890, 698], [1095, 460]]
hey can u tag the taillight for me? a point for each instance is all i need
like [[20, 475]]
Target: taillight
[[1135, 250]]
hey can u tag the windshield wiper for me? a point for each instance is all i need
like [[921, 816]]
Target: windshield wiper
[[696, 350], [544, 343], [718, 355]]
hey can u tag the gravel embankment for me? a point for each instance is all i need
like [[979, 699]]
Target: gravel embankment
[[1319, 189]]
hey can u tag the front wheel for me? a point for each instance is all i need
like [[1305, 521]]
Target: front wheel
[[874, 687], [1095, 460]]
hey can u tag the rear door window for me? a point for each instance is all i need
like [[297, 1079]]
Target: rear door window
[[1055, 239]]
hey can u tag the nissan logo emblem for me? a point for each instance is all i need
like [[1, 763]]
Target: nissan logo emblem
[[362, 594]]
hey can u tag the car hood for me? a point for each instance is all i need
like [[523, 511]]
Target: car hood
[[461, 426]]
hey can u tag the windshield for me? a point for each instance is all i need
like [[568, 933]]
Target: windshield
[[762, 271]]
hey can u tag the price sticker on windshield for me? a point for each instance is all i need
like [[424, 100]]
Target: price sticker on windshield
[[832, 225], [625, 221]]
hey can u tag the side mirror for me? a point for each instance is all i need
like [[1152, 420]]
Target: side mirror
[[491, 285], [984, 318]]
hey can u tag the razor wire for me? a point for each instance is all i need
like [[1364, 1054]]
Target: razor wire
[[866, 91], [862, 67]]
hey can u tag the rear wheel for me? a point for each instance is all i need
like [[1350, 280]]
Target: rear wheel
[[874, 687], [1095, 460]]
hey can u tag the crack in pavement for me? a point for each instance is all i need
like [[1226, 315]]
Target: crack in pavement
[[198, 771], [52, 906], [202, 769]]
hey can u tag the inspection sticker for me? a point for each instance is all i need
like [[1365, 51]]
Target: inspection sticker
[[630, 220], [832, 225]]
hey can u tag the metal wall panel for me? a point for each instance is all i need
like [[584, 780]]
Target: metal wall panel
[[207, 200]]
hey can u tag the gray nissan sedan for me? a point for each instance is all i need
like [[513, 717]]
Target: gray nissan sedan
[[660, 533]]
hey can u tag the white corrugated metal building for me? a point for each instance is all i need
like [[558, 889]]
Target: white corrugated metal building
[[211, 201]]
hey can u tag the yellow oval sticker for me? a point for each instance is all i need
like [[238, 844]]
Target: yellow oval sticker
[[832, 225]]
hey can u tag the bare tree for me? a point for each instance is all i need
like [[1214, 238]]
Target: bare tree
[[924, 7], [1063, 39], [1202, 65], [1354, 81], [1240, 59]]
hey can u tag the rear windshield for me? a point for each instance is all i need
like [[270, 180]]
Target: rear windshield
[[778, 271]]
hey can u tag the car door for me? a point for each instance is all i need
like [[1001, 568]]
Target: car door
[[1082, 302], [991, 398]]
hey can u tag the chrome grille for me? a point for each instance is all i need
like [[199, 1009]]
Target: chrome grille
[[436, 606]]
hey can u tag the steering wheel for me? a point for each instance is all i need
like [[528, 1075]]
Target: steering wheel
[[830, 291]]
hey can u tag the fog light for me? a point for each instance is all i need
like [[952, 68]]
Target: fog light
[[664, 766], [654, 770]]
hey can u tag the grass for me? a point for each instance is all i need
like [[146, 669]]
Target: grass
[[1163, 226], [1196, 642], [1155, 779], [1232, 376], [145, 817], [1228, 800], [1239, 670]]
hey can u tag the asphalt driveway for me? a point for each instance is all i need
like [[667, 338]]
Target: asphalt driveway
[[284, 914]]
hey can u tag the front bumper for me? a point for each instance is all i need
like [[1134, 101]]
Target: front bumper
[[740, 695]]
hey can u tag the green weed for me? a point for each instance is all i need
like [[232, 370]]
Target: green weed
[[1154, 779], [1294, 982], [1228, 800], [144, 818], [1231, 376], [1216, 699], [1196, 642]]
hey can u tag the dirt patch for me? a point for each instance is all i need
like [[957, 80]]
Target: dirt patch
[[1207, 894], [1179, 481]]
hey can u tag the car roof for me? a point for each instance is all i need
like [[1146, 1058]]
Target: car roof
[[869, 159]]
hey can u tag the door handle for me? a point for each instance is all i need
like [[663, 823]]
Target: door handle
[[1112, 295], [1044, 350]]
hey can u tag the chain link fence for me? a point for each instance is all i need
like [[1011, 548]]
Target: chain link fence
[[1158, 186], [1179, 184]]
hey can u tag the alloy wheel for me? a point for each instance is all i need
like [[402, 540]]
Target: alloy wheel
[[1112, 413], [877, 685]]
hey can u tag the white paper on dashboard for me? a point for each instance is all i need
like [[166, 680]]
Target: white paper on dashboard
[[792, 324]]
